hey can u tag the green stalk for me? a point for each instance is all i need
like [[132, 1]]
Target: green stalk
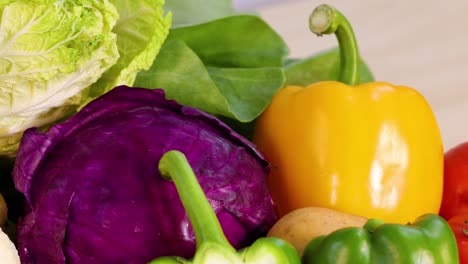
[[327, 20], [174, 166], [372, 224]]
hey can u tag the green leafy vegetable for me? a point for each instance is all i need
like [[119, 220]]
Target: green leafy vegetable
[[248, 91], [191, 12], [228, 67], [182, 74], [54, 55], [324, 66], [49, 52], [235, 41], [141, 31]]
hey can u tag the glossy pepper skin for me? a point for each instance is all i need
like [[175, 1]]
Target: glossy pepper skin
[[372, 149], [212, 245], [459, 225], [428, 240]]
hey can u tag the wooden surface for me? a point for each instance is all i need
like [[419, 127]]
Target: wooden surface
[[420, 43]]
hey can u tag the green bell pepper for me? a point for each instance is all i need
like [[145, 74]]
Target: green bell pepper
[[428, 240], [212, 245]]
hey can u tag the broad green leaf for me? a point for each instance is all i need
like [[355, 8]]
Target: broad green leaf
[[184, 77], [321, 67], [235, 41], [248, 91], [221, 67], [190, 12], [238, 93]]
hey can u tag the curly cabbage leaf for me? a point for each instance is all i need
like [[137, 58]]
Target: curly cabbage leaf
[[49, 52], [141, 31], [54, 55]]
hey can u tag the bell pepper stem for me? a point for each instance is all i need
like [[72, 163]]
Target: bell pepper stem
[[174, 166], [327, 20], [372, 224]]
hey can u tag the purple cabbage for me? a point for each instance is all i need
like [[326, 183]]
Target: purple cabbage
[[93, 190]]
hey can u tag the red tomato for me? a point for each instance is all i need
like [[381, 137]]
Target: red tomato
[[459, 225], [455, 195]]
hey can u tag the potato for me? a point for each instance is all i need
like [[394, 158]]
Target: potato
[[302, 225]]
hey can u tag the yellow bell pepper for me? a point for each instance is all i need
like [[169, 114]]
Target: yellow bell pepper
[[372, 149]]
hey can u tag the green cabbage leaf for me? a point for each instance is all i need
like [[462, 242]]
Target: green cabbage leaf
[[57, 55]]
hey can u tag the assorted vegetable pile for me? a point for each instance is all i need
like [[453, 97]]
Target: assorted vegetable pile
[[182, 132]]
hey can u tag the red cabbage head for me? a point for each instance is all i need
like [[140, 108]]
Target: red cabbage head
[[93, 190]]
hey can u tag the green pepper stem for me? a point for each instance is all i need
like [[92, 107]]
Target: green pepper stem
[[327, 20], [174, 165], [372, 224]]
